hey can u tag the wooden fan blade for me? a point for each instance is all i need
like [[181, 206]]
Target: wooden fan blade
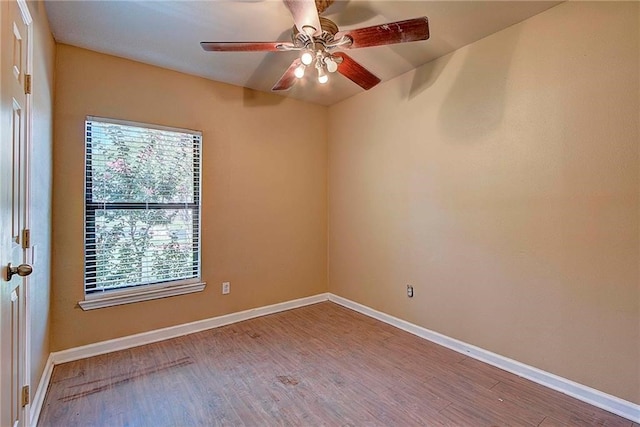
[[304, 14], [288, 79], [244, 46], [356, 72], [394, 32]]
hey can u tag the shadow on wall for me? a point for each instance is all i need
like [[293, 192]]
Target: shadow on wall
[[426, 75], [475, 103]]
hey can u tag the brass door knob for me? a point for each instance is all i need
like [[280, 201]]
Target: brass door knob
[[21, 270]]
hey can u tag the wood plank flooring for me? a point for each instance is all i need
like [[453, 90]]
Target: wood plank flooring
[[321, 365]]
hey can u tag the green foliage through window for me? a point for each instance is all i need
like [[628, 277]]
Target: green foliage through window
[[142, 205]]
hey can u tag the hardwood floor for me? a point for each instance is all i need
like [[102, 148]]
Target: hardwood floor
[[321, 365]]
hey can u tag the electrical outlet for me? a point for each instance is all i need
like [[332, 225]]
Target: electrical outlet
[[410, 291], [226, 287]]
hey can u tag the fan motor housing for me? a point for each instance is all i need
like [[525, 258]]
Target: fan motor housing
[[328, 26]]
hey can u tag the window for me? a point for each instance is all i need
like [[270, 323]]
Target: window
[[142, 211]]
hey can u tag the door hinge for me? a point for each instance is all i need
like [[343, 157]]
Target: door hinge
[[26, 238], [27, 84], [25, 396]]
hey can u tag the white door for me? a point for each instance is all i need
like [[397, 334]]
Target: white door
[[14, 216]]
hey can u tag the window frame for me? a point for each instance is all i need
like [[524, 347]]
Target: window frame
[[144, 291]]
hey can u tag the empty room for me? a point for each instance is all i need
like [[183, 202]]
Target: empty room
[[319, 213]]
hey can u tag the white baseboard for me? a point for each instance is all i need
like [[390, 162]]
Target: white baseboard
[[581, 392], [179, 330], [38, 397]]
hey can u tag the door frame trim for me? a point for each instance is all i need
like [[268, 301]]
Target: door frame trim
[[27, 254]]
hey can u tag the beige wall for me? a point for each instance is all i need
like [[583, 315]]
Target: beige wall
[[264, 192], [501, 181], [42, 140]]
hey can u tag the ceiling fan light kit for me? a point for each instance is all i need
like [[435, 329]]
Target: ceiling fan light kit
[[317, 48], [321, 42]]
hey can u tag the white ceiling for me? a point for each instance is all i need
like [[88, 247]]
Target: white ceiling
[[168, 33]]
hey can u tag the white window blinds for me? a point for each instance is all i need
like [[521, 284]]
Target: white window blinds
[[142, 205]]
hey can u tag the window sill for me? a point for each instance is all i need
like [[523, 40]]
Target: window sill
[[137, 295]]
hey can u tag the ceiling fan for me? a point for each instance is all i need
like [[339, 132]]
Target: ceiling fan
[[320, 42]]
